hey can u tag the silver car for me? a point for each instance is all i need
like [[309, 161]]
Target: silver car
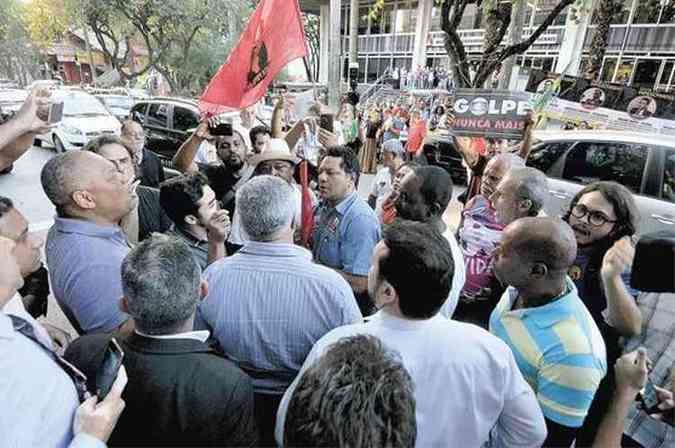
[[645, 163]]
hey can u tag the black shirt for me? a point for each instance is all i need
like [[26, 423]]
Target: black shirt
[[222, 180], [152, 172], [151, 216]]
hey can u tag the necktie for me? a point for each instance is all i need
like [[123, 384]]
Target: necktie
[[79, 379]]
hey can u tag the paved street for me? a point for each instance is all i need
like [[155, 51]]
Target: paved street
[[24, 188]]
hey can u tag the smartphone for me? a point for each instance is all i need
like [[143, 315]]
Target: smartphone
[[326, 122], [649, 398], [55, 112], [107, 373], [218, 127]]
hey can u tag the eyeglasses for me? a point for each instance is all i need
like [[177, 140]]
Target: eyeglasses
[[595, 218]]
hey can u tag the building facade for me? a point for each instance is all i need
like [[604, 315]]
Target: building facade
[[407, 33]]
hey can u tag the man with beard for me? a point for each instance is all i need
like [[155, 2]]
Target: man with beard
[[425, 194], [557, 346], [86, 245], [224, 178], [604, 217], [147, 163]]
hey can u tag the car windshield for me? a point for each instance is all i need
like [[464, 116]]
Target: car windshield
[[123, 102], [81, 105]]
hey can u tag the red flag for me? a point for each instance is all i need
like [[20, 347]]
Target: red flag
[[274, 36], [307, 216]]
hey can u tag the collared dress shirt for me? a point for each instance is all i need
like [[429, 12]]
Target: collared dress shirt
[[344, 236], [39, 399], [468, 389], [85, 261], [268, 304], [559, 351], [15, 307], [458, 277]]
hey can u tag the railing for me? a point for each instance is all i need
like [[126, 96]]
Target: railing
[[375, 87]]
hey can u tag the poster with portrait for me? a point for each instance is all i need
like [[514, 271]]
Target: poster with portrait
[[581, 103]]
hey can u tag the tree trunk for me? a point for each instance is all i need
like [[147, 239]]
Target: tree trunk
[[603, 19]]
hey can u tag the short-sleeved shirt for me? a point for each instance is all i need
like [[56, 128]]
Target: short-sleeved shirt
[[85, 261], [382, 188], [344, 236], [559, 351], [396, 123]]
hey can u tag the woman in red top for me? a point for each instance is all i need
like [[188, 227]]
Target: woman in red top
[[416, 134]]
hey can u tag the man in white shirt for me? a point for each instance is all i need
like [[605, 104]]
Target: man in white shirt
[[468, 389], [424, 197], [393, 155]]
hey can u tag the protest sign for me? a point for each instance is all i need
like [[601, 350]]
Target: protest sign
[[490, 113], [602, 105]]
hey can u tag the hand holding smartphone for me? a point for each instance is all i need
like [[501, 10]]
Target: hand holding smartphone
[[55, 113], [326, 122], [218, 127], [107, 373]]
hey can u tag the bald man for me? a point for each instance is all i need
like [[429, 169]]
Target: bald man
[[85, 246], [479, 235], [557, 345]]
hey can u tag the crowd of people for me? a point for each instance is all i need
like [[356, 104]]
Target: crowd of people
[[260, 300], [422, 78]]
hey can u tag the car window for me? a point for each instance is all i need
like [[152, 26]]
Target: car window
[[184, 119], [157, 115], [590, 162], [138, 113], [668, 188], [543, 156]]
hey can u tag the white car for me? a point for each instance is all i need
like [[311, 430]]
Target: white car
[[84, 118], [645, 163]]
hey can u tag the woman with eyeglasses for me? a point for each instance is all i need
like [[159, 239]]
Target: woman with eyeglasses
[[604, 218]]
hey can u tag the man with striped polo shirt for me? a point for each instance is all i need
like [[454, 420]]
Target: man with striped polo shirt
[[556, 343]]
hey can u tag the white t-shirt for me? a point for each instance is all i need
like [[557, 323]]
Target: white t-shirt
[[467, 385], [458, 278], [382, 188]]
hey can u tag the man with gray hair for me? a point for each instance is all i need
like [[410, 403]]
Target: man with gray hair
[[393, 155], [479, 235], [86, 245], [270, 303], [521, 193], [198, 397]]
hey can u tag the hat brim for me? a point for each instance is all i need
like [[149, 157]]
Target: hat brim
[[273, 155]]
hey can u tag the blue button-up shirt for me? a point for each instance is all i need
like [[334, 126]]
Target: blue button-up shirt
[[344, 236], [85, 261], [267, 306], [38, 398]]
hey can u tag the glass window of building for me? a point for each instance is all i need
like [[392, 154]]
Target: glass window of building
[[363, 21], [608, 69], [666, 74], [471, 18], [371, 73], [647, 11], [646, 71], [668, 13], [381, 24], [623, 12], [436, 19], [406, 17]]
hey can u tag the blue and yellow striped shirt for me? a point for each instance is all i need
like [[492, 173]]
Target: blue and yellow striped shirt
[[559, 351]]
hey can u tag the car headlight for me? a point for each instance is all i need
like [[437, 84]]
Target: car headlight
[[70, 130]]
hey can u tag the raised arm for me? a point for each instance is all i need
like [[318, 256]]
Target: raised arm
[[624, 314], [526, 144], [183, 161]]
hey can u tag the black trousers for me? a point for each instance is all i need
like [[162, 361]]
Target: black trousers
[[266, 406]]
